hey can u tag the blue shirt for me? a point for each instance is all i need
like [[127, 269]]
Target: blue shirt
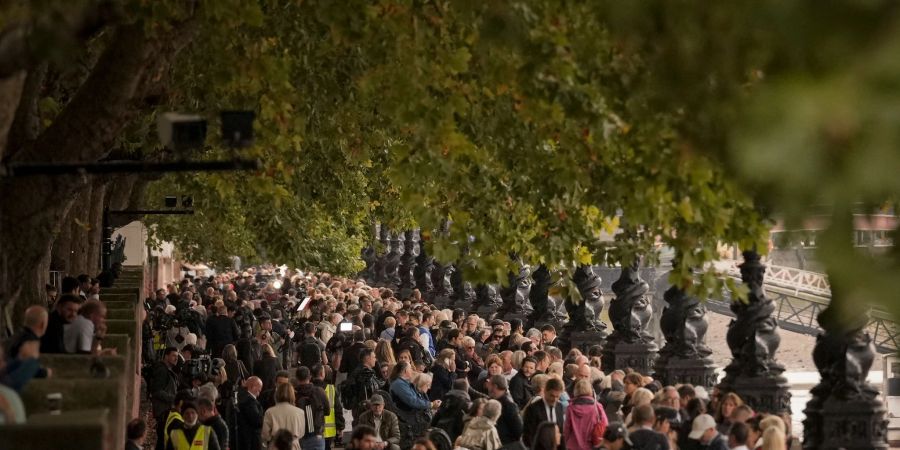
[[408, 396]]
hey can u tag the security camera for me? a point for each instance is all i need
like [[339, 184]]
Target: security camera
[[181, 131]]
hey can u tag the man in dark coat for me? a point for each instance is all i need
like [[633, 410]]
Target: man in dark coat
[[65, 311], [363, 382], [509, 425], [644, 437], [250, 416], [221, 330], [520, 385], [163, 385], [547, 409]]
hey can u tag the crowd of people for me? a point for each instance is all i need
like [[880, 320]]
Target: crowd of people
[[269, 360]]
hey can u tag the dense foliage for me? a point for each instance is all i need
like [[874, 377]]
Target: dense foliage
[[521, 123], [565, 132]]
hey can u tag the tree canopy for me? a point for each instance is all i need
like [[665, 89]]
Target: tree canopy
[[536, 127]]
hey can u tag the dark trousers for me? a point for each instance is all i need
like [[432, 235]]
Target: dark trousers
[[160, 430]]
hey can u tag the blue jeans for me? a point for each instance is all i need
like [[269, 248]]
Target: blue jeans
[[312, 443]]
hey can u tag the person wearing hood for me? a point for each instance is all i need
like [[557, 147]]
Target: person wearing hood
[[586, 419], [481, 431], [450, 417]]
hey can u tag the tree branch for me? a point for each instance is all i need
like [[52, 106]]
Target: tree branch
[[111, 96], [18, 49], [27, 123]]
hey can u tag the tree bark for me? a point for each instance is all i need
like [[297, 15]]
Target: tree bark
[[95, 235], [85, 130], [10, 92]]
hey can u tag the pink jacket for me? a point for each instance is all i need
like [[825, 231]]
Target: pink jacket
[[581, 417]]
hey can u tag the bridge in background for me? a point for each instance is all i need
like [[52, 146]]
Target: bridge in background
[[800, 296]]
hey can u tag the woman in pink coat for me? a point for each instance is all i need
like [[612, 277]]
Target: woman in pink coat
[[582, 417]]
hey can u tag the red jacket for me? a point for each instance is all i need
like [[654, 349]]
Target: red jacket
[[583, 415]]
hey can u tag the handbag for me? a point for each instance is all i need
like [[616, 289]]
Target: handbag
[[598, 430]]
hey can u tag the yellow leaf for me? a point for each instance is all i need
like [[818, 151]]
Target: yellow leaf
[[584, 256]]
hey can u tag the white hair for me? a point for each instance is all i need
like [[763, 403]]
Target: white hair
[[492, 409]]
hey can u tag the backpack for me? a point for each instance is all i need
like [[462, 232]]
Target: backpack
[[348, 394], [310, 352]]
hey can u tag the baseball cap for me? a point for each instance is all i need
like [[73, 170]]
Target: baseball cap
[[616, 431], [376, 400], [701, 423]]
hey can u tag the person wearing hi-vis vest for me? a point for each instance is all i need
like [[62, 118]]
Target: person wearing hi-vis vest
[[174, 420], [323, 377], [192, 435]]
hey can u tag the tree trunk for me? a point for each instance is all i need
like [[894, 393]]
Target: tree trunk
[[95, 235], [32, 212], [33, 208], [81, 226]]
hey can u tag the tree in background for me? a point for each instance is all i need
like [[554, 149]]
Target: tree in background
[[537, 127]]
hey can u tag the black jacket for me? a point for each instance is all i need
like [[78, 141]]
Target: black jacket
[[520, 389], [535, 414], [52, 340], [249, 421], [509, 425], [644, 439], [219, 428], [163, 385], [220, 331], [316, 398], [441, 383], [364, 382], [350, 357], [450, 417], [266, 368], [248, 352]]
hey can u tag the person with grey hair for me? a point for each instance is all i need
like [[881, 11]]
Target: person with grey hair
[[509, 425], [481, 432]]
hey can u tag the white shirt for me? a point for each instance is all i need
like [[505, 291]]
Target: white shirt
[[740, 447], [510, 374], [78, 336], [377, 427], [551, 412]]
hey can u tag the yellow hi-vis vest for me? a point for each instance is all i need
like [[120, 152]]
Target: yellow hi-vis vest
[[173, 415], [200, 442], [330, 427]]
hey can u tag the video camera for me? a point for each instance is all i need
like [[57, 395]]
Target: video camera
[[201, 367]]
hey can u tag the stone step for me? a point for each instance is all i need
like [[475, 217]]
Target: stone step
[[120, 342], [82, 394], [78, 366], [120, 313], [129, 327], [85, 429], [136, 291]]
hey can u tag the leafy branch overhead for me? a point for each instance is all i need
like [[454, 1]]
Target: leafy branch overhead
[[515, 121], [567, 133]]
